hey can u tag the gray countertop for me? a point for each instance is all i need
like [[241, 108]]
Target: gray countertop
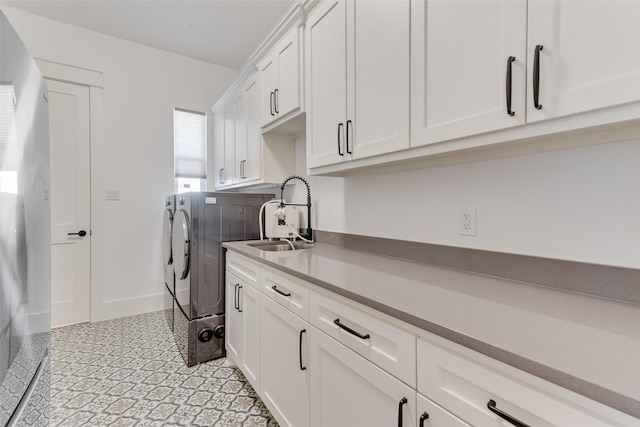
[[587, 344]]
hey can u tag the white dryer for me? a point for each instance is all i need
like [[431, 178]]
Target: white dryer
[[202, 222]]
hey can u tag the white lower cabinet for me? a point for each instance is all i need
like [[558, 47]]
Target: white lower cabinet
[[349, 391], [487, 393], [285, 360], [372, 371], [243, 328], [432, 415]]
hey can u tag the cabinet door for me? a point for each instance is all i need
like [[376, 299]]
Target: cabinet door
[[218, 143], [233, 318], [378, 77], [460, 56], [288, 88], [285, 372], [226, 177], [250, 162], [326, 83], [250, 311], [347, 390], [432, 415], [268, 70], [239, 147], [590, 57]]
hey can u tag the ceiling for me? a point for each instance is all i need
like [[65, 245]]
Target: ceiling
[[223, 32]]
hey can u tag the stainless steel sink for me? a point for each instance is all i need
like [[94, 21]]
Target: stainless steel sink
[[280, 246]]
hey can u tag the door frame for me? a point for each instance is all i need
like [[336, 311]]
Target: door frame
[[93, 79]]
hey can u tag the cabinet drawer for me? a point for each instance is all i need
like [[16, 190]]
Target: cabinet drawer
[[347, 390], [285, 291], [243, 269], [431, 415], [464, 385], [384, 344]]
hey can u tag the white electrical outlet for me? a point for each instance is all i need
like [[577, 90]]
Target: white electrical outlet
[[111, 194], [467, 222]]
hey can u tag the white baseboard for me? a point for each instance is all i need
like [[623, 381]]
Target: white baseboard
[[133, 306], [38, 322]]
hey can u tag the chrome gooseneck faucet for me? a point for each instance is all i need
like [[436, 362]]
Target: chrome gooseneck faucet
[[309, 234]]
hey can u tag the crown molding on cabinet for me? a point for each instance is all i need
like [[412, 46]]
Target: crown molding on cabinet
[[294, 17]]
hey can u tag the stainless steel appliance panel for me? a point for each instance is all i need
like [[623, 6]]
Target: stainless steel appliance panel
[[25, 230], [203, 221]]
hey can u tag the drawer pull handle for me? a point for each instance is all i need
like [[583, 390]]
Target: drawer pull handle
[[235, 296], [349, 126], [536, 77], [491, 404], [423, 418], [271, 97], [351, 331], [402, 402], [302, 368], [275, 288], [509, 82], [239, 308]]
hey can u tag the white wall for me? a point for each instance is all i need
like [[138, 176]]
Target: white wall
[[142, 85], [580, 204]]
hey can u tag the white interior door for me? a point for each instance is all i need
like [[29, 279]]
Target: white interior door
[[69, 123]]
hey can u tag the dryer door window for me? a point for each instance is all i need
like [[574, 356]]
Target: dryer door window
[[167, 224], [181, 244]]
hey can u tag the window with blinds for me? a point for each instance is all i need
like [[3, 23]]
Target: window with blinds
[[190, 150]]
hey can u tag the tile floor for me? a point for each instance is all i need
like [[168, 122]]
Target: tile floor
[[128, 372]]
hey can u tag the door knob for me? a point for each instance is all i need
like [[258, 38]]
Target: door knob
[[80, 233]]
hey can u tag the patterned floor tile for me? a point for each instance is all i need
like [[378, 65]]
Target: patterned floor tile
[[128, 372]]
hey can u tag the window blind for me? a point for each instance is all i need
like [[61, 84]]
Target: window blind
[[189, 144]]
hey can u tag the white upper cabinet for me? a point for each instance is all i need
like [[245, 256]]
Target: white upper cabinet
[[218, 137], [357, 80], [326, 80], [468, 68], [243, 156], [483, 66], [239, 141], [248, 156], [227, 146], [280, 78], [590, 56]]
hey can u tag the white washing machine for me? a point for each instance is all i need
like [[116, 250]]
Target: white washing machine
[[167, 259]]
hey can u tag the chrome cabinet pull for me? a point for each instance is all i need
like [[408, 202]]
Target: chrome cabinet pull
[[536, 77], [351, 331], [510, 61], [491, 405]]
